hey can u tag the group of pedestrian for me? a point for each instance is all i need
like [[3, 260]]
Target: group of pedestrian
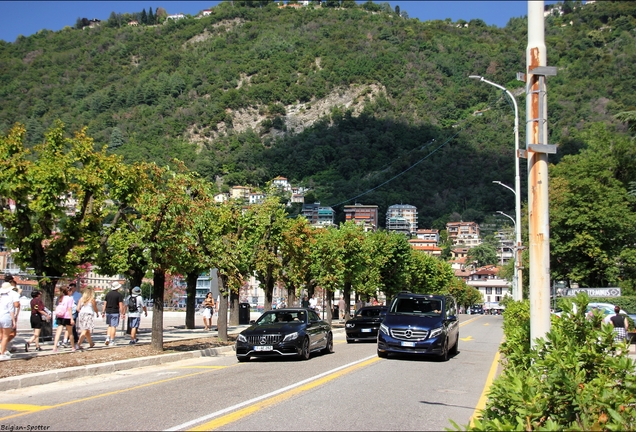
[[74, 315]]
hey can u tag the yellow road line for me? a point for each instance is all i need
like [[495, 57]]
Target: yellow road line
[[230, 418], [98, 396], [23, 407], [481, 404]]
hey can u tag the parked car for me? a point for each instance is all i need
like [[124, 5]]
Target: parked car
[[285, 332], [422, 324], [365, 324]]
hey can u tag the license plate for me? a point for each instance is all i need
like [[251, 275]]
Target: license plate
[[366, 330], [263, 348], [407, 344]]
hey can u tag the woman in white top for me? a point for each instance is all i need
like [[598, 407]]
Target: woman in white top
[[9, 301], [87, 308]]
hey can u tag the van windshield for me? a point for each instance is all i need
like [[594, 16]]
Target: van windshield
[[417, 306]]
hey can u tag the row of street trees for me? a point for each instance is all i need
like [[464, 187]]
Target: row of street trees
[[65, 204]]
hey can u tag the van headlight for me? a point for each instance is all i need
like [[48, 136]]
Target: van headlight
[[241, 338], [384, 329], [436, 332], [290, 337]]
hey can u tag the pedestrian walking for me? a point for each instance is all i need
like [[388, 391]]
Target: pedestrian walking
[[620, 326], [313, 303], [305, 302], [341, 307], [87, 307], [113, 311], [134, 306], [38, 317], [76, 295], [8, 278], [9, 310], [64, 318], [208, 311]]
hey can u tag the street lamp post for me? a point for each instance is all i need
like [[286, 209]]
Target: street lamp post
[[518, 291], [516, 282], [518, 294]]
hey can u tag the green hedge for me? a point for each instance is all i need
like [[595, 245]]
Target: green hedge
[[577, 378]]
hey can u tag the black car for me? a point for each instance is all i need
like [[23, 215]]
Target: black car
[[422, 324], [365, 324], [477, 310], [285, 332]]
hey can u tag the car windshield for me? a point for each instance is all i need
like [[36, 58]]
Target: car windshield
[[370, 313], [282, 316], [417, 306]]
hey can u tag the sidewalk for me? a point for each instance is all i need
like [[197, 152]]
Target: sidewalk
[[174, 330]]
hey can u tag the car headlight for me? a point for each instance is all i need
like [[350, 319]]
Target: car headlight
[[290, 336], [436, 332], [384, 329], [350, 325], [242, 338]]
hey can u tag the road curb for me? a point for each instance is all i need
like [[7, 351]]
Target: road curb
[[55, 375]]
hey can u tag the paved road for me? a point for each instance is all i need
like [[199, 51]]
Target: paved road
[[351, 389]]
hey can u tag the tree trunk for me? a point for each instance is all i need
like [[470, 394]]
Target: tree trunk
[[159, 282], [221, 322], [269, 290], [329, 317], [347, 298], [136, 277], [291, 296], [234, 308], [191, 301], [48, 295]]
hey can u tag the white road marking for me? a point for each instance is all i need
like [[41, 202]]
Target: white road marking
[[265, 396]]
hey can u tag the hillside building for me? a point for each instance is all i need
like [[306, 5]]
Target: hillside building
[[366, 215], [402, 218]]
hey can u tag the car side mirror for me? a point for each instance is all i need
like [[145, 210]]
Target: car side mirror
[[451, 318], [252, 321]]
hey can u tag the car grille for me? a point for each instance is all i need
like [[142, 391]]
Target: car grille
[[266, 339], [409, 334]]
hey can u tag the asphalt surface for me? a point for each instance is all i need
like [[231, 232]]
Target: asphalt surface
[[351, 389]]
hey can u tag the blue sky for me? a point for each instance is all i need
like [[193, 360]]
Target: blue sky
[[27, 17]]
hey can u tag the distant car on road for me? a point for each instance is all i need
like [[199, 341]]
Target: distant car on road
[[285, 332], [477, 310], [365, 324], [422, 324]]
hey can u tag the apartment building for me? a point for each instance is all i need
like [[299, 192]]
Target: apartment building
[[366, 215], [319, 216], [402, 218]]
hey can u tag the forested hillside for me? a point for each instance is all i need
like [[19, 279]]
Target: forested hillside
[[338, 99]]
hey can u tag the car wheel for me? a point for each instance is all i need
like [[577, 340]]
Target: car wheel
[[455, 349], [329, 346], [304, 351], [383, 354], [444, 355], [242, 359], [349, 340]]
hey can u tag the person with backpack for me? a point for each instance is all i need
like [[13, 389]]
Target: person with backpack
[[134, 305]]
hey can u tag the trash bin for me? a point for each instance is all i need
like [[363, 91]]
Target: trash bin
[[244, 313], [336, 312]]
